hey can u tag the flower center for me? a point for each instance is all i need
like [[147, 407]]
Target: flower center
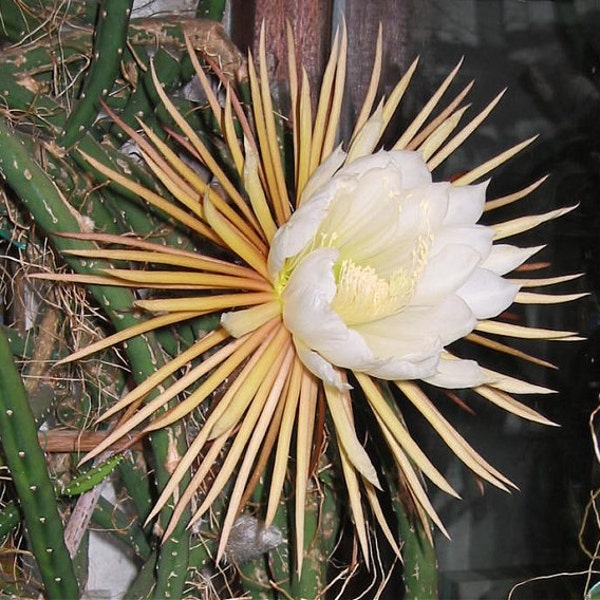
[[362, 295]]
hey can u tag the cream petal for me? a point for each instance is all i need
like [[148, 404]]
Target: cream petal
[[387, 238], [504, 257], [448, 321], [409, 165], [429, 203], [466, 203], [323, 173], [293, 236], [368, 136], [445, 273], [307, 312], [397, 369], [412, 166], [318, 366], [385, 341], [359, 205], [458, 374], [487, 294], [477, 237], [311, 285]]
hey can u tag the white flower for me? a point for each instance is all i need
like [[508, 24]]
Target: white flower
[[350, 266], [380, 269]]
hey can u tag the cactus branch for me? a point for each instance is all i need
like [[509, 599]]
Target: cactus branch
[[27, 464], [111, 37]]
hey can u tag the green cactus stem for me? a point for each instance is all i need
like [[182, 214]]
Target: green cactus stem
[[49, 208], [144, 99], [137, 483], [35, 490], [10, 517], [112, 519], [420, 561], [91, 478], [211, 9], [20, 19], [111, 37], [174, 554]]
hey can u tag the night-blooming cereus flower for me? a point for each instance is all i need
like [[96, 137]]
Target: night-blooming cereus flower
[[344, 283], [380, 269]]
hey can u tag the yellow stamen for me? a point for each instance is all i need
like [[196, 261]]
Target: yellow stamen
[[363, 295]]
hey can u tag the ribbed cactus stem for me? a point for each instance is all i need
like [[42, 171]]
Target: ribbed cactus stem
[[35, 490], [211, 9], [10, 517], [49, 208], [112, 519], [111, 38]]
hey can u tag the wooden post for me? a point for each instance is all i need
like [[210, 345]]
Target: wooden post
[[310, 20]]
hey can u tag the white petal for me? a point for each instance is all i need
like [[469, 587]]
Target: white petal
[[458, 374], [307, 312], [409, 165], [368, 136], [487, 294], [318, 366], [412, 166], [293, 236], [323, 173], [466, 204], [504, 257], [397, 369], [477, 237], [447, 321], [445, 273]]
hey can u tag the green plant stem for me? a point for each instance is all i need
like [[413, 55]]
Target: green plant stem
[[35, 490], [9, 518], [113, 520], [111, 37], [53, 215], [174, 553], [420, 561], [211, 9]]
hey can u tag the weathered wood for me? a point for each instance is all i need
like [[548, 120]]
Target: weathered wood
[[404, 38], [310, 20]]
